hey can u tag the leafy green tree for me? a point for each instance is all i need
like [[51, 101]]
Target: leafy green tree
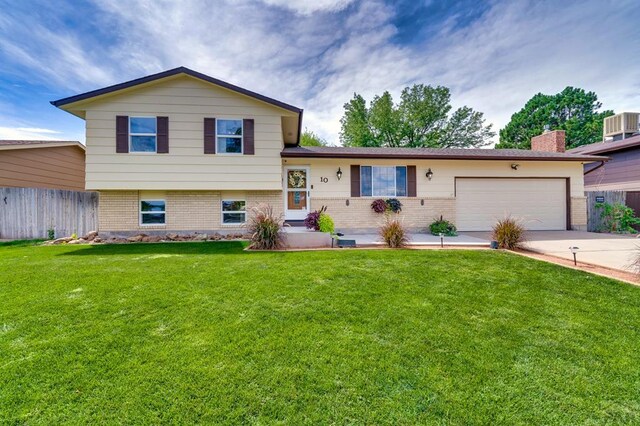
[[421, 119], [309, 138], [572, 110]]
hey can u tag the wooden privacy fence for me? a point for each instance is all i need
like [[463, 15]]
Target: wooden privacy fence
[[594, 222], [31, 212]]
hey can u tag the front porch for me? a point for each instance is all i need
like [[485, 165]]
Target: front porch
[[300, 237]]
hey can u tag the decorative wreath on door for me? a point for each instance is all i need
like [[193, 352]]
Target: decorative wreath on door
[[297, 179]]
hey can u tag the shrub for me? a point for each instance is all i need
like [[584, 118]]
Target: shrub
[[618, 218], [325, 223], [379, 206], [51, 234], [442, 226], [265, 228], [394, 205], [311, 221], [394, 234], [509, 233]]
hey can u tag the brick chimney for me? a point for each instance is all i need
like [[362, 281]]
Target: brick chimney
[[549, 141]]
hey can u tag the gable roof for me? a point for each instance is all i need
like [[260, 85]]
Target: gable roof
[[170, 73], [604, 147], [20, 144], [434, 153]]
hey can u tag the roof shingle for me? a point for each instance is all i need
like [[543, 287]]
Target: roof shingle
[[434, 153]]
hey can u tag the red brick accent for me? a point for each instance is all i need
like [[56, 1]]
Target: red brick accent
[[553, 141]]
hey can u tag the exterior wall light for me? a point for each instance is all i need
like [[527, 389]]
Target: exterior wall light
[[429, 174], [339, 174], [515, 166]]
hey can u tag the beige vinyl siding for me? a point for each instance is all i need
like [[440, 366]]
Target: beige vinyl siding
[[44, 167], [442, 185], [186, 101]]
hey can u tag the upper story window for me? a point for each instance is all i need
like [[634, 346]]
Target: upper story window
[[143, 134], [383, 181], [229, 136]]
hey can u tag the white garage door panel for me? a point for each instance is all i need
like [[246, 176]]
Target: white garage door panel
[[481, 202]]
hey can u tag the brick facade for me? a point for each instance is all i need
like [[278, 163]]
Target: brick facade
[[579, 213], [186, 211], [417, 213], [553, 141]]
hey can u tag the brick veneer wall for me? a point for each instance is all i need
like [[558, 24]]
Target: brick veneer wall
[[579, 213], [185, 210], [358, 213]]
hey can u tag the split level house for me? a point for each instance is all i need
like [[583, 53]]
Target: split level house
[[180, 151]]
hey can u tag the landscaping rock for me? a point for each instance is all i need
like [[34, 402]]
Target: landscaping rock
[[75, 242], [154, 239], [136, 238], [200, 237], [90, 236], [62, 240], [172, 237]]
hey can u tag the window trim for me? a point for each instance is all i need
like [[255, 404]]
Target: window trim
[[241, 137], [395, 181], [155, 135], [141, 213], [222, 211]]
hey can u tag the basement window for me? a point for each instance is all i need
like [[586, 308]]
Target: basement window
[[234, 212], [152, 212], [383, 181]]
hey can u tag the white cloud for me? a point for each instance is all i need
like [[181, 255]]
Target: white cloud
[[306, 7], [27, 133], [316, 54]]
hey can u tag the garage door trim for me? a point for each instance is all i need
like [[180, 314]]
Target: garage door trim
[[567, 188]]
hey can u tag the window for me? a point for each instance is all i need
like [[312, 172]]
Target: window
[[152, 212], [142, 134], [376, 181], [233, 211], [229, 136]]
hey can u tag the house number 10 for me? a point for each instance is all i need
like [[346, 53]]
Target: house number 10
[[324, 179]]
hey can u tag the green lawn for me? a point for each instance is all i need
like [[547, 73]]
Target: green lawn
[[208, 333]]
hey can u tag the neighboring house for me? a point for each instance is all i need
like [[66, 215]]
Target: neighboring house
[[621, 172], [42, 164], [180, 151]]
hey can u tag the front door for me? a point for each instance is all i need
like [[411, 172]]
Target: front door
[[296, 187]]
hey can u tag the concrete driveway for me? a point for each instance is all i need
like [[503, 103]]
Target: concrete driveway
[[611, 251]]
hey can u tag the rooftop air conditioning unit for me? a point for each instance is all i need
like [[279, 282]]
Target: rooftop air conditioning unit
[[621, 126]]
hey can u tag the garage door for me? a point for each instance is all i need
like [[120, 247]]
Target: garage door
[[480, 202]]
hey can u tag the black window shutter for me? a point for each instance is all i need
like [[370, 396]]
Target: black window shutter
[[247, 130], [162, 128], [122, 133], [209, 135], [355, 180], [412, 190]]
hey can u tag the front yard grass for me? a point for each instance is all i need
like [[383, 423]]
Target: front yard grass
[[208, 333]]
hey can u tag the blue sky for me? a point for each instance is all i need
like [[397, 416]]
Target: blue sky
[[494, 55]]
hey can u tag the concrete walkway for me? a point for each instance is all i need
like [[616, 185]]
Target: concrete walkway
[[608, 250], [419, 239]]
